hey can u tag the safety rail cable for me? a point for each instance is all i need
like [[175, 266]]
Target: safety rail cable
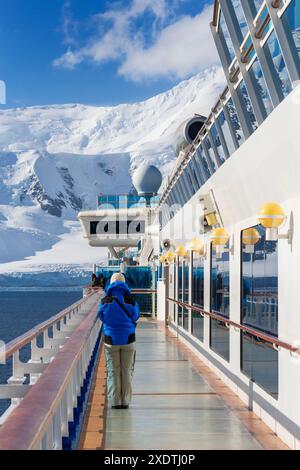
[[40, 413], [258, 334]]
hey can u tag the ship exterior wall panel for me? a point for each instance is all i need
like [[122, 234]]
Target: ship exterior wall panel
[[266, 168]]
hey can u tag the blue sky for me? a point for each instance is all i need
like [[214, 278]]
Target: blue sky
[[100, 52]]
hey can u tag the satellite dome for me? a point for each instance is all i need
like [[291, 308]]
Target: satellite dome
[[147, 180]]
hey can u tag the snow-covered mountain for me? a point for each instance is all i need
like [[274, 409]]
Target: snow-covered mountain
[[54, 160]]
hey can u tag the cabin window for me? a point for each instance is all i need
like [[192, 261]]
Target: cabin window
[[185, 299], [179, 290], [220, 301], [198, 295], [260, 311]]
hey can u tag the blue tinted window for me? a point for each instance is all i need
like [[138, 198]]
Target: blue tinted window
[[260, 285], [279, 63], [180, 291], [260, 311], [198, 295], [219, 333], [185, 294], [220, 283]]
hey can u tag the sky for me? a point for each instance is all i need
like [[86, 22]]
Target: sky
[[100, 52]]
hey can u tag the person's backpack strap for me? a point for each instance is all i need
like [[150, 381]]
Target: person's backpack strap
[[125, 310]]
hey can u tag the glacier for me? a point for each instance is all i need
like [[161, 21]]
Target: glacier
[[55, 160]]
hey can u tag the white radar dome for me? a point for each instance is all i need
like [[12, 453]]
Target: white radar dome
[[147, 180]]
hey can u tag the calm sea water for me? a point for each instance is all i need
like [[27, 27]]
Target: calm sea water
[[23, 308]]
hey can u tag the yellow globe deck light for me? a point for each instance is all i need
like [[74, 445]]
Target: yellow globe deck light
[[196, 245], [170, 256], [181, 251], [250, 238], [219, 238], [271, 217]]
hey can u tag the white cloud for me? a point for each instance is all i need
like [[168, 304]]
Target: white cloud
[[173, 48]]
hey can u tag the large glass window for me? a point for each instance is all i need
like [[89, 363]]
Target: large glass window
[[262, 86], [244, 95], [220, 283], [236, 126], [185, 294], [260, 310], [226, 133], [198, 295], [291, 19], [280, 66], [179, 290]]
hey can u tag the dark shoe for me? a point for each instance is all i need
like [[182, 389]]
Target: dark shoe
[[125, 407], [117, 407]]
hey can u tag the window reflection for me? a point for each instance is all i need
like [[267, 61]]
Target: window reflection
[[185, 298], [198, 295], [180, 291], [220, 283], [260, 311], [260, 285]]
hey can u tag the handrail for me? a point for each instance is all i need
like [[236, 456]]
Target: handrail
[[258, 334], [20, 431], [133, 291], [24, 339]]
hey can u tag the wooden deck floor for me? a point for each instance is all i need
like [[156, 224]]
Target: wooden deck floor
[[178, 403]]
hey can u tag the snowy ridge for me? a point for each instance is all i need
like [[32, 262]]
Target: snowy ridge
[[54, 160]]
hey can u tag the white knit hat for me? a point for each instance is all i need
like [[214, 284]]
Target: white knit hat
[[117, 277]]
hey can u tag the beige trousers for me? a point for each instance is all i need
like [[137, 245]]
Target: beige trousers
[[120, 362]]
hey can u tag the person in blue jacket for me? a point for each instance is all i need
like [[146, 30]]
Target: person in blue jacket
[[119, 313]]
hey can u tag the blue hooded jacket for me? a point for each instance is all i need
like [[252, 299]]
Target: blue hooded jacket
[[116, 323]]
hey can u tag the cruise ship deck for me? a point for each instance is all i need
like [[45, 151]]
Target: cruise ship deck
[[178, 403]]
